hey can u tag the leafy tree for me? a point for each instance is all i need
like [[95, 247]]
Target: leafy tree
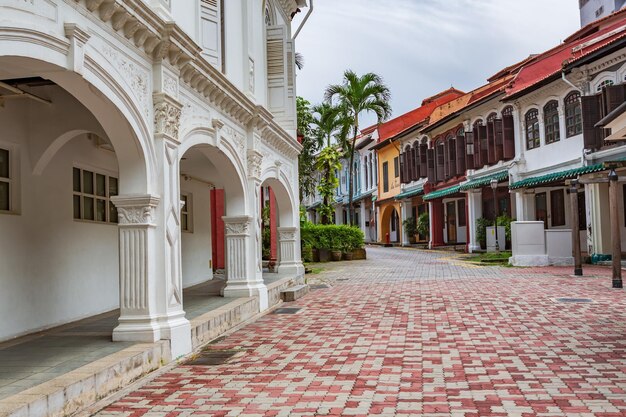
[[357, 95], [306, 160], [327, 162]]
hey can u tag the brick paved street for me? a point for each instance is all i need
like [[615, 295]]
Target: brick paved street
[[410, 333]]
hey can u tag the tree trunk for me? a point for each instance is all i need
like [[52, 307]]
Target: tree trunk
[[352, 173]]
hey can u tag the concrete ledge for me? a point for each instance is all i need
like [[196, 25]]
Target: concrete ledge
[[529, 260], [274, 289], [210, 325], [293, 293], [72, 392]]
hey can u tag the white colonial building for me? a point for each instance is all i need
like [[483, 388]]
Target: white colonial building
[[120, 119]]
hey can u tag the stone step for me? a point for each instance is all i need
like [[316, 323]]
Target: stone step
[[295, 292]]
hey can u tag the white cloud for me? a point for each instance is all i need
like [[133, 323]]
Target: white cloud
[[421, 47]]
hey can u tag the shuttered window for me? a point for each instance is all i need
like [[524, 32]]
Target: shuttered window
[[573, 115], [5, 180], [451, 144], [551, 121], [212, 31], [416, 162], [430, 156], [532, 129], [385, 176], [460, 153], [469, 152], [396, 167], [592, 136], [478, 163], [508, 134], [491, 139], [441, 158]]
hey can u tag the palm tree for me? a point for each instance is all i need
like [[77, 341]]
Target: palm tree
[[358, 95], [330, 123]]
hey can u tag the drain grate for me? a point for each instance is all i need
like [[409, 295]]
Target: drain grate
[[212, 357], [574, 300], [286, 310], [318, 286], [343, 279]]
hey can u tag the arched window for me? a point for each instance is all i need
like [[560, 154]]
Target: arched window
[[417, 174], [605, 83], [269, 14], [532, 129], [491, 117], [507, 111], [460, 132], [573, 114], [551, 121]]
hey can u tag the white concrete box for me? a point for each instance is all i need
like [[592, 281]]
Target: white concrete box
[[559, 246], [528, 244]]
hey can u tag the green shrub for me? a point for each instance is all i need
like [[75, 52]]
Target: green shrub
[[423, 225], [410, 226], [505, 221], [481, 231], [332, 237], [307, 253]]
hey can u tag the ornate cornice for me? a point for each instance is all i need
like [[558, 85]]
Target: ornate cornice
[[237, 226], [162, 40]]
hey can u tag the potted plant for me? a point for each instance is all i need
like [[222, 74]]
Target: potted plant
[[481, 231], [410, 228], [423, 226]]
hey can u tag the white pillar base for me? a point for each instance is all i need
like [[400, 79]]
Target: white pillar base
[[474, 248], [137, 329], [177, 329], [245, 289]]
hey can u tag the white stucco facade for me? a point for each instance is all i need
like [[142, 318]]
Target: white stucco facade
[[132, 106]]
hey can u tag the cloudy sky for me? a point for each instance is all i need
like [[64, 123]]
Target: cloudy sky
[[421, 47]]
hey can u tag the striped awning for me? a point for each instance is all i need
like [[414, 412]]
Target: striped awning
[[485, 181], [411, 193], [556, 176], [444, 192]]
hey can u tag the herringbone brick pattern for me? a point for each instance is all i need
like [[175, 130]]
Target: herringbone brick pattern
[[414, 333]]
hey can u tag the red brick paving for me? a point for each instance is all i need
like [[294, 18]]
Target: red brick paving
[[416, 334]]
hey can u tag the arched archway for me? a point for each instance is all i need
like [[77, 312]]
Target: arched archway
[[71, 151], [390, 224]]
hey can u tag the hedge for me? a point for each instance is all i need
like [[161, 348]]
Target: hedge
[[331, 237]]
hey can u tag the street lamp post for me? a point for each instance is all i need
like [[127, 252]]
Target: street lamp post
[[615, 232], [494, 187]]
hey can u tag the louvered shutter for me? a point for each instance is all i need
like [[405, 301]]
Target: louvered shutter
[[446, 161], [591, 116], [484, 146], [499, 139], [277, 72], [415, 162], [408, 165], [477, 149], [430, 162], [211, 32], [469, 151], [613, 97], [402, 166], [508, 137], [451, 157], [460, 155], [491, 142], [424, 170]]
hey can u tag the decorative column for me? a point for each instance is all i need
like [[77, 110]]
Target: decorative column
[[273, 229], [475, 210], [244, 274], [288, 262], [169, 277], [362, 219], [138, 320], [406, 213]]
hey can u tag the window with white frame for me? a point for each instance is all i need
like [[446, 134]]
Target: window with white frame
[[573, 114], [532, 129], [5, 180], [551, 121], [92, 192], [185, 213]]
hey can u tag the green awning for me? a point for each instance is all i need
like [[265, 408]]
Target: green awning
[[485, 181], [444, 192], [374, 197], [410, 193], [556, 176]]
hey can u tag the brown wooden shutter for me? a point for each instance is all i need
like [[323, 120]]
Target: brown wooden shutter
[[452, 157], [484, 146], [591, 116], [469, 151], [460, 155], [499, 139], [477, 149], [508, 134], [430, 164], [613, 97], [491, 143], [402, 168], [446, 160], [415, 162], [409, 164], [424, 171]]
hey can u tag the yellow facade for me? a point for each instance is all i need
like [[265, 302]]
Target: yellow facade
[[389, 155]]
